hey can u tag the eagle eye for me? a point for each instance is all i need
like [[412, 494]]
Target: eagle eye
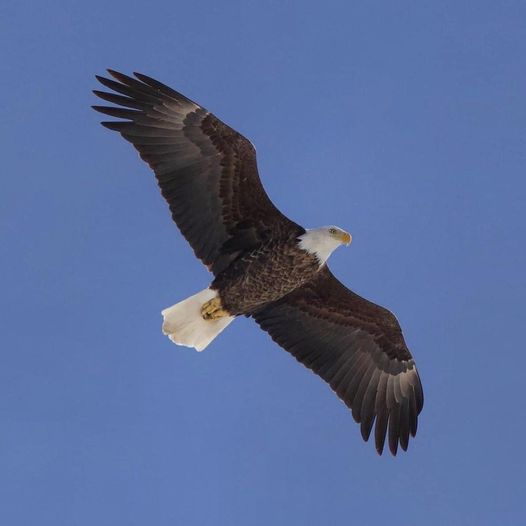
[[332, 231]]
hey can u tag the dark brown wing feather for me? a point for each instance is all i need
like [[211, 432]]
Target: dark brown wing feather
[[357, 347], [207, 171]]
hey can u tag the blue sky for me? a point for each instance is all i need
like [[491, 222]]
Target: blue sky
[[403, 122]]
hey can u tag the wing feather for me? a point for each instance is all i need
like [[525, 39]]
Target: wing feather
[[382, 414], [394, 428], [207, 172], [358, 348], [367, 409]]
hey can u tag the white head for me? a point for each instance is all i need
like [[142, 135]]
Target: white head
[[323, 241]]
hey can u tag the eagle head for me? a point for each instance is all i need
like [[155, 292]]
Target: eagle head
[[323, 241]]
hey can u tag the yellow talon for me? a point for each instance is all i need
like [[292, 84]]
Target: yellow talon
[[212, 309]]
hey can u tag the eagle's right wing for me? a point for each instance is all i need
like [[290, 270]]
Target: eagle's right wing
[[207, 171]]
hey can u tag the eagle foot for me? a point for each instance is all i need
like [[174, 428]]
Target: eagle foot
[[212, 309]]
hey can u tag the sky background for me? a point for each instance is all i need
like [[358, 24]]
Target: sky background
[[403, 122]]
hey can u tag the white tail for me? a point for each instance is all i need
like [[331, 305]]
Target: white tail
[[184, 325]]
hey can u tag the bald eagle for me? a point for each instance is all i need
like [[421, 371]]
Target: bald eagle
[[265, 266]]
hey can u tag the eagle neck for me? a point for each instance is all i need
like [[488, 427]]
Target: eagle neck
[[315, 241]]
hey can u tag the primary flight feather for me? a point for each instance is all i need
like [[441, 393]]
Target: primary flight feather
[[265, 266]]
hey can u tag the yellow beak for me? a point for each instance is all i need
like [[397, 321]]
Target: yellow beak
[[346, 238]]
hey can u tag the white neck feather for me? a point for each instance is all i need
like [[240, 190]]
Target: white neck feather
[[317, 241]]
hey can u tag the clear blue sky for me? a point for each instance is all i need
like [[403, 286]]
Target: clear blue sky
[[403, 122]]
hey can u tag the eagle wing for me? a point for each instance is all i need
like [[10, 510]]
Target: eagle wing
[[357, 347], [207, 171]]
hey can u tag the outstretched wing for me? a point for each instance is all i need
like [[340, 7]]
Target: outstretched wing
[[357, 347], [207, 171]]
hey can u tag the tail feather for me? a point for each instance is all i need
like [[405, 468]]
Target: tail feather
[[184, 325]]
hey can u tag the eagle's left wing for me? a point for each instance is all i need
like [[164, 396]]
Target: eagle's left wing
[[357, 347]]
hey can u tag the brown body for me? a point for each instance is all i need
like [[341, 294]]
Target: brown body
[[265, 274]]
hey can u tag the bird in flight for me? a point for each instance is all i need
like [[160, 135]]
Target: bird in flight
[[265, 266]]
